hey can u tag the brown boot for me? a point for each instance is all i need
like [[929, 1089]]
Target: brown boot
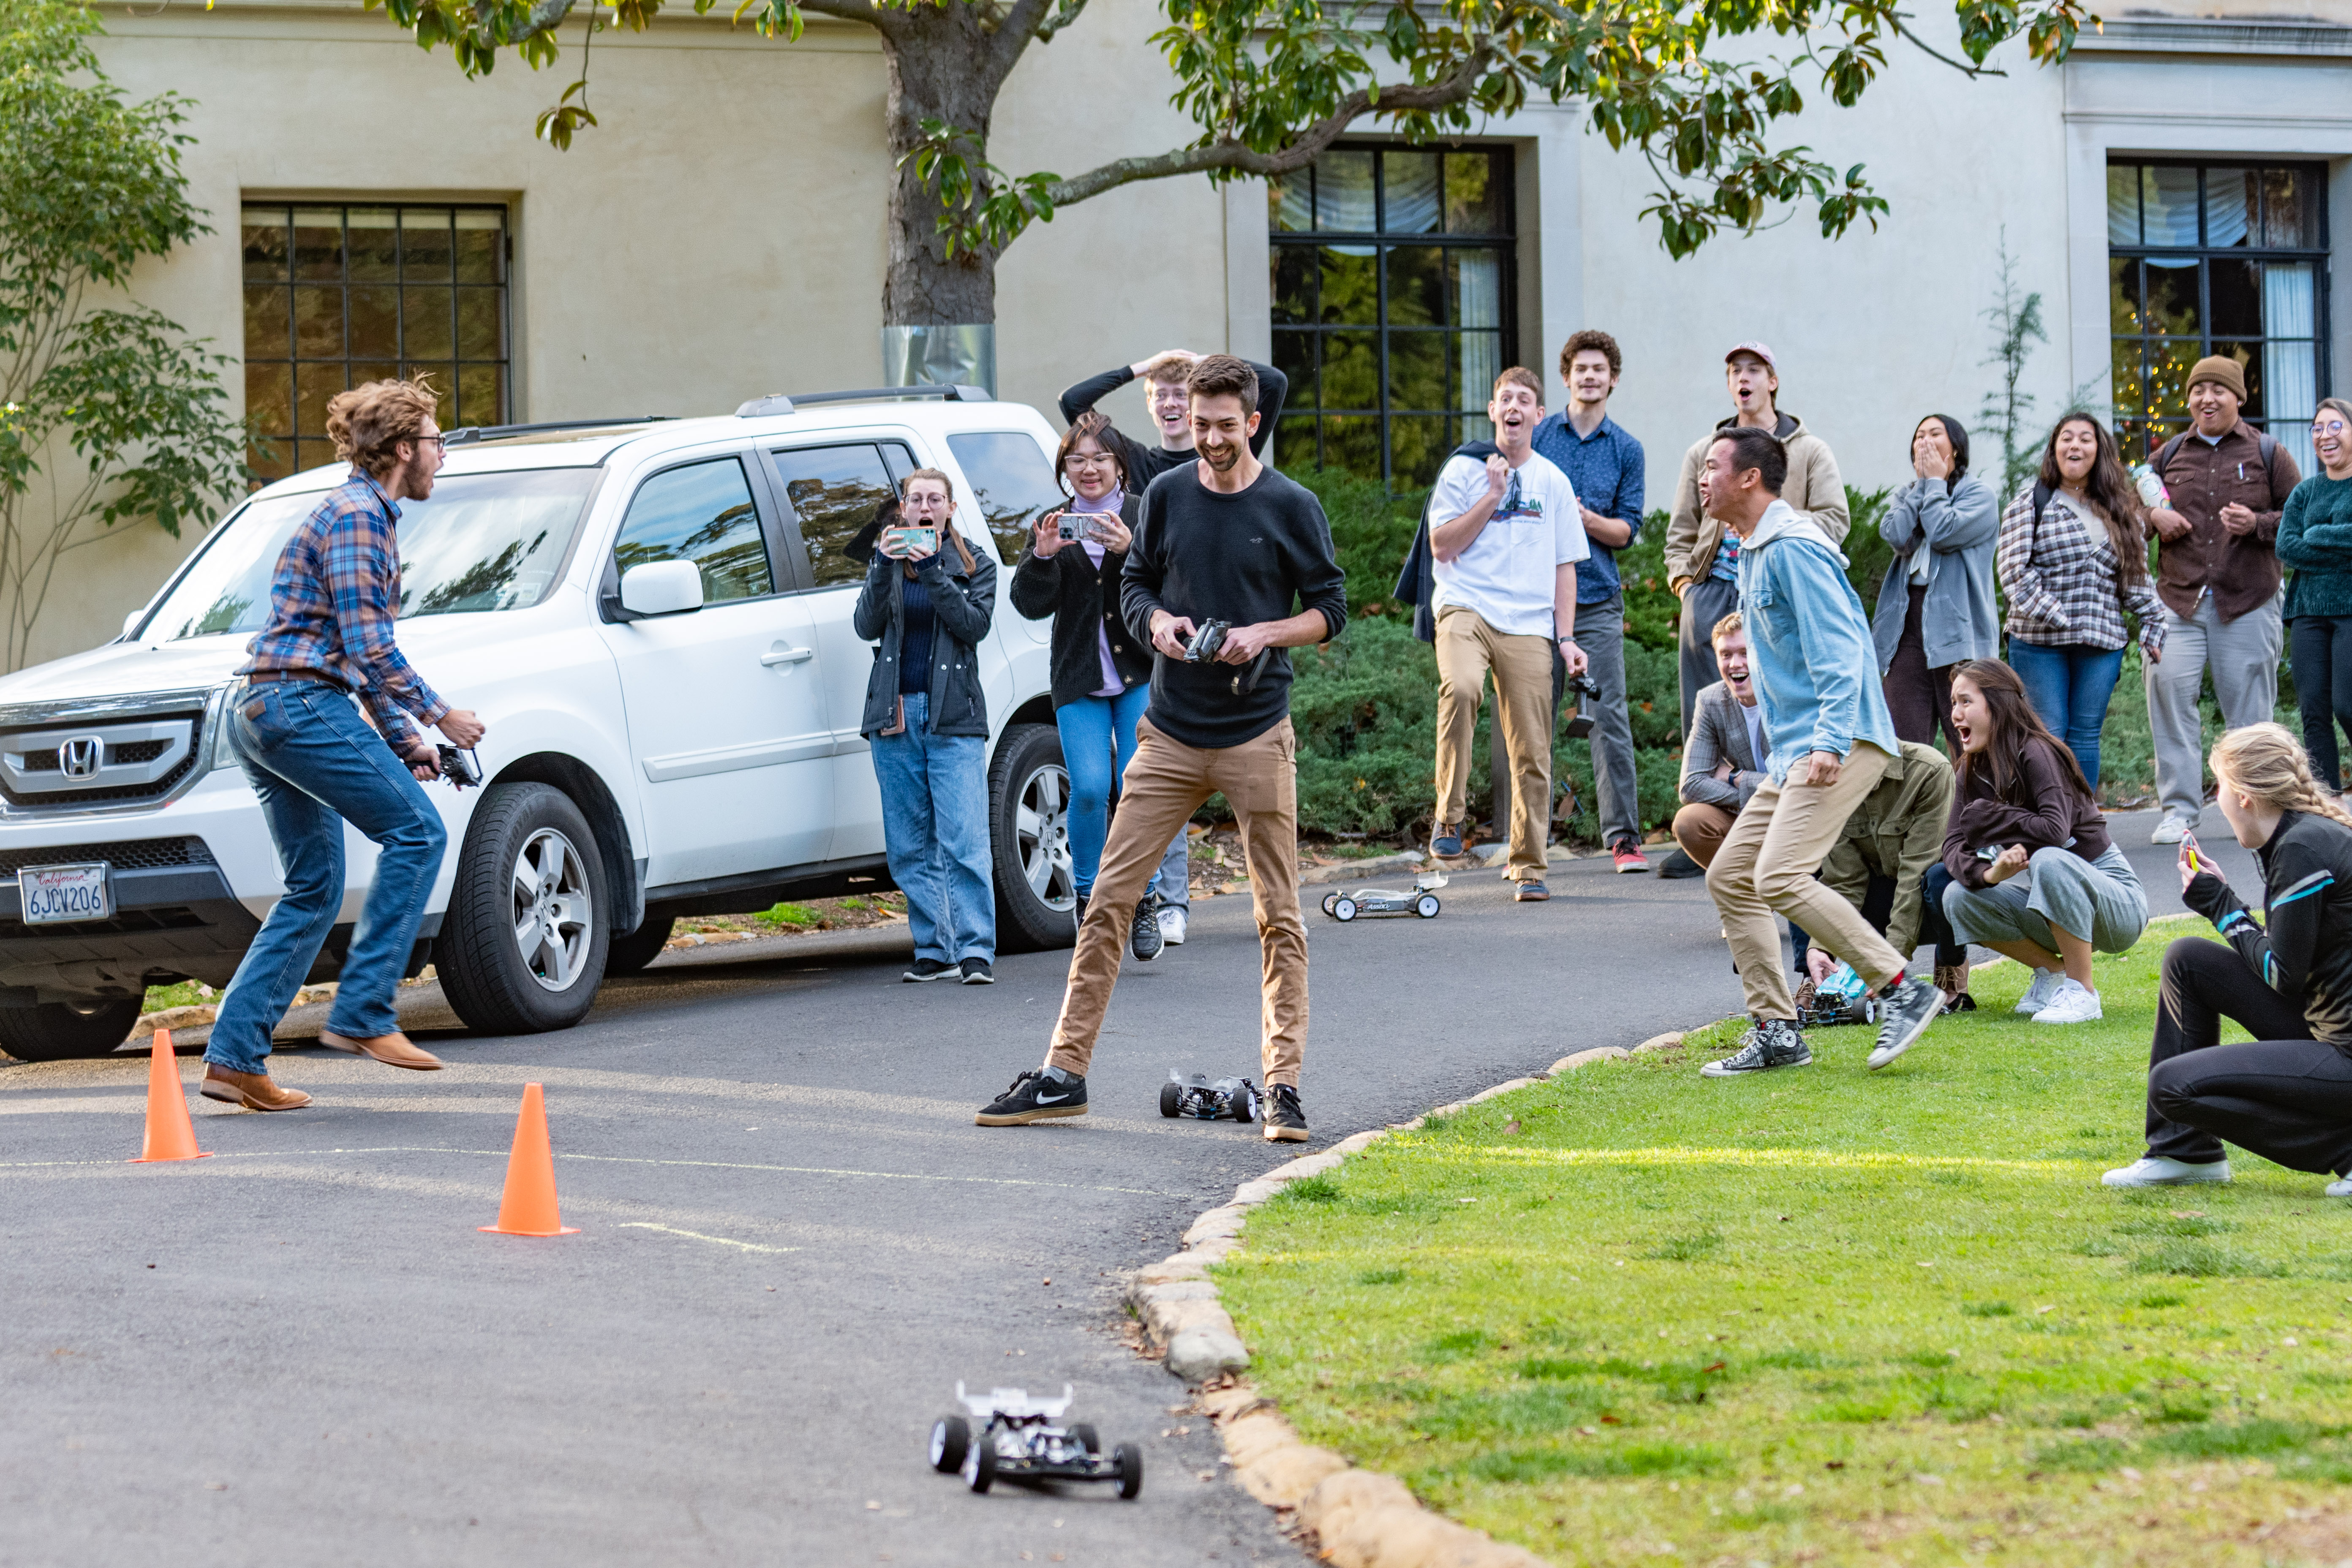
[[393, 1050], [1952, 980], [253, 1090]]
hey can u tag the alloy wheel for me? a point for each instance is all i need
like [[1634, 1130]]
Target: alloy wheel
[[554, 913]]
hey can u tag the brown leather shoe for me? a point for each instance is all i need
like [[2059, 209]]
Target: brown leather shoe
[[253, 1090], [393, 1050]]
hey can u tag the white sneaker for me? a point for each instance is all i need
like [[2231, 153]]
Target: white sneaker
[[1172, 925], [2037, 995], [2154, 1170], [2171, 830], [2072, 1003], [2342, 1189]]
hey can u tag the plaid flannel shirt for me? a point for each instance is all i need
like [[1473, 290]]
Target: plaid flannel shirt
[[2060, 581], [331, 607]]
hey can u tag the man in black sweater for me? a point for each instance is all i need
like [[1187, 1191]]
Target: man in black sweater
[[1169, 401], [1225, 538]]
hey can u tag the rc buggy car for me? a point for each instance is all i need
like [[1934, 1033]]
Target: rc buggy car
[[1019, 1440], [1420, 900], [1192, 1094], [1843, 998]]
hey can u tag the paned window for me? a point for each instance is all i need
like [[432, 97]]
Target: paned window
[[2217, 259], [335, 296], [1393, 290]]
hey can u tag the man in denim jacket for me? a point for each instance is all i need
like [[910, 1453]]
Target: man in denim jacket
[[1829, 738]]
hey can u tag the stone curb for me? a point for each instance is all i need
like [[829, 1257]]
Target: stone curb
[[1362, 1519]]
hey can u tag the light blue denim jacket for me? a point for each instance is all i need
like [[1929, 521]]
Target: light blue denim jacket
[[1816, 666]]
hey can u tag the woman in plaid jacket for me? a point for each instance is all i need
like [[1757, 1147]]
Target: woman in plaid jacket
[[2073, 562]]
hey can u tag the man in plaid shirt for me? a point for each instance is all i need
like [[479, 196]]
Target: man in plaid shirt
[[316, 764]]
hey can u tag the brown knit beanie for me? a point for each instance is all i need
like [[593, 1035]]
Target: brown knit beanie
[[2220, 369]]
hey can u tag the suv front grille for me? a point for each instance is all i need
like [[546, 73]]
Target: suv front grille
[[128, 855], [102, 760]]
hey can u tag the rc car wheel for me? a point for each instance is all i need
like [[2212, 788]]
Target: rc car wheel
[[522, 947], [1172, 1098], [1086, 1437], [1128, 1461], [980, 1464], [61, 1031], [1029, 819], [628, 954], [1343, 910], [1329, 900], [951, 1440], [1426, 906], [1244, 1110]]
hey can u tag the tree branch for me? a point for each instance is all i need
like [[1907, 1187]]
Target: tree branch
[[1928, 49], [1014, 35], [1228, 153], [1064, 13]]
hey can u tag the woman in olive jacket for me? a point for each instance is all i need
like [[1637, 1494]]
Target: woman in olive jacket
[[927, 720], [1102, 672]]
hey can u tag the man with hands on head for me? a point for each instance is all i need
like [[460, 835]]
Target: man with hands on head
[[1505, 564], [316, 764], [1228, 538], [1165, 395], [2219, 579]]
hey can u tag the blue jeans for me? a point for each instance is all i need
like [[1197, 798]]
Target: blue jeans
[[2069, 685], [935, 829], [316, 765], [1097, 739]]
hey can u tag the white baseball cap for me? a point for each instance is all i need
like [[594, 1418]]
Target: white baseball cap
[[1760, 351]]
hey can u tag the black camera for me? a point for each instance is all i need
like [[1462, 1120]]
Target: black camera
[[1209, 639], [459, 767], [1579, 725]]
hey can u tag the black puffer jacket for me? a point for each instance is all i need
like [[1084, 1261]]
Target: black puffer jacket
[[963, 605], [1068, 586], [2304, 949]]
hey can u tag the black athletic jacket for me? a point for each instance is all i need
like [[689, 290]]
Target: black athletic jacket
[[2304, 949]]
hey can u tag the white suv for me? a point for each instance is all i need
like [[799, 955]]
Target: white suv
[[653, 752]]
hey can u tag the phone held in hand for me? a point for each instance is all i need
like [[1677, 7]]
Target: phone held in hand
[[2197, 865], [901, 541], [1988, 854], [1081, 528]]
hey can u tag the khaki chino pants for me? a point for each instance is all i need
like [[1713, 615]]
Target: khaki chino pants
[[1765, 867], [1467, 647], [1166, 782]]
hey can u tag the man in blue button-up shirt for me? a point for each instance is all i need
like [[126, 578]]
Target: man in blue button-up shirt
[[1605, 465]]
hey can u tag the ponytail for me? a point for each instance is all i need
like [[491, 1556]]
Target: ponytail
[[2265, 761]]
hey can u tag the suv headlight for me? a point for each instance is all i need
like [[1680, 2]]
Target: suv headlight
[[224, 755]]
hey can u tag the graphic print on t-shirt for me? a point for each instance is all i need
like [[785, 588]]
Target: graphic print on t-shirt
[[1508, 573]]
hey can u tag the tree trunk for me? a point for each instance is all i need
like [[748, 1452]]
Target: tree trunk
[[938, 63]]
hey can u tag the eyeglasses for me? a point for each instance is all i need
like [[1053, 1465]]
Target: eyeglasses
[[2328, 427], [440, 441], [1090, 460]]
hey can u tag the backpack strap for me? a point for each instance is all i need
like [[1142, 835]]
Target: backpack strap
[[2164, 453]]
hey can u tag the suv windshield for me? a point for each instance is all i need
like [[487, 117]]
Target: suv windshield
[[483, 541]]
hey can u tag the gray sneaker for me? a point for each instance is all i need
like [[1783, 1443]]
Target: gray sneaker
[[1774, 1043], [1144, 937], [1904, 1015]]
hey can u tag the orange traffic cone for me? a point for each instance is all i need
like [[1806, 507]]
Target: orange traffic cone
[[529, 1206], [170, 1134]]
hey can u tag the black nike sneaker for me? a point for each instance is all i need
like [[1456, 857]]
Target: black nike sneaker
[[1143, 934], [1285, 1121], [1034, 1097], [924, 969], [1774, 1043]]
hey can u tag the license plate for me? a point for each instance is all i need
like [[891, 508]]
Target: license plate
[[60, 895]]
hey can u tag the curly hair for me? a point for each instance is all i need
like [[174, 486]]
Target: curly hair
[[372, 418], [1600, 342]]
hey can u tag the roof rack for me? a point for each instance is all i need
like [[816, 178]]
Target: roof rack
[[780, 403], [472, 433]]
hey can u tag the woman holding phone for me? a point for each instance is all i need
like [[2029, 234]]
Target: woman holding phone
[[2286, 1094], [1102, 673], [2034, 876], [927, 603]]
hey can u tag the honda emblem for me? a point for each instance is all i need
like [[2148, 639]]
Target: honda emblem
[[80, 757]]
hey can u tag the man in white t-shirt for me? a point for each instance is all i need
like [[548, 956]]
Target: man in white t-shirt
[[1505, 536]]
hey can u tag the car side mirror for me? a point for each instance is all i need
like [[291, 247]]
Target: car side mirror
[[130, 622], [661, 588]]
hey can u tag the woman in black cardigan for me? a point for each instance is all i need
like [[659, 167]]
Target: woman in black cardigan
[[1102, 672]]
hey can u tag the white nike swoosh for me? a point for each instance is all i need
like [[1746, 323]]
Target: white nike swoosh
[[1051, 1098]]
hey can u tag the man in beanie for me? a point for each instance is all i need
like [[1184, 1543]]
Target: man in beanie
[[2218, 581]]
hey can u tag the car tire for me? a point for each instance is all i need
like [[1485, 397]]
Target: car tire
[[524, 836], [628, 954], [1172, 1098], [951, 1440], [1128, 1459], [63, 1031], [1028, 816], [1086, 1437], [980, 1462]]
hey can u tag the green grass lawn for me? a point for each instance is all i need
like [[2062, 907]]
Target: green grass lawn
[[1827, 1315]]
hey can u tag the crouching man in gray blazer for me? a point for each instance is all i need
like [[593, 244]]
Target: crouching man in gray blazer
[[1722, 761]]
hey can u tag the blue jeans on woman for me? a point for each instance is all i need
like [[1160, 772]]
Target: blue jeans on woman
[[316, 765], [2069, 685], [935, 832], [1097, 739]]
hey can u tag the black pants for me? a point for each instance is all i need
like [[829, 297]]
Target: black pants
[[2320, 653], [1919, 699], [2285, 1095], [1878, 908]]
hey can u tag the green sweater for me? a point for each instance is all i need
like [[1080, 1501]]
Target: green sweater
[[2314, 537]]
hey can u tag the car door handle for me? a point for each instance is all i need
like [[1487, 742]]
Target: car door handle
[[775, 657]]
